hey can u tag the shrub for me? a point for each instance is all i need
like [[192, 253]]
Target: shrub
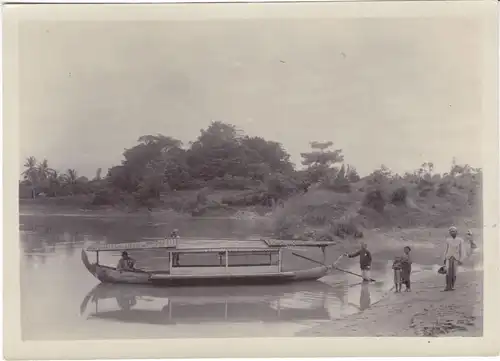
[[399, 196], [346, 228], [443, 189], [202, 196], [425, 187], [103, 197], [375, 200], [234, 183]]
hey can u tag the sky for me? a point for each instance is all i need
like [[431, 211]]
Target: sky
[[393, 91]]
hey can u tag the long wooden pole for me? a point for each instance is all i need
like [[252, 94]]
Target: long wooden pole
[[332, 266]]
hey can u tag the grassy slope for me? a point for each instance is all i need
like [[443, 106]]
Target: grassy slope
[[324, 212]]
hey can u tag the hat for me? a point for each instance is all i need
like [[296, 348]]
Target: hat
[[452, 229]]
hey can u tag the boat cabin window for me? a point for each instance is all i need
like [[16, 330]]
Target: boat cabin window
[[218, 259], [201, 259], [264, 258]]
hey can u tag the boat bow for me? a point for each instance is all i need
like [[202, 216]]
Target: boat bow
[[91, 267]]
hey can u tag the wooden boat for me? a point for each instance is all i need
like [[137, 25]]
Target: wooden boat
[[158, 305], [222, 266]]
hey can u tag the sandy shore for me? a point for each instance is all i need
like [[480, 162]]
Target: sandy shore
[[426, 311]]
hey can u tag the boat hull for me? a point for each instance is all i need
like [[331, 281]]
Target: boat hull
[[218, 280], [111, 275]]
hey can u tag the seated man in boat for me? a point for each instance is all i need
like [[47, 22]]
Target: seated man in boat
[[126, 263]]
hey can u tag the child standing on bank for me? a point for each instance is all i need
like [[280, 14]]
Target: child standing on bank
[[406, 262], [397, 267]]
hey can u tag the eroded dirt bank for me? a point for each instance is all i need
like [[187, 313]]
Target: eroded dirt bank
[[426, 311]]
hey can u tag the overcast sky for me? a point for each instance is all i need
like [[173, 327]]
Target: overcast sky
[[397, 92]]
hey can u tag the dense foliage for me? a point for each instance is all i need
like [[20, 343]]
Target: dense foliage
[[158, 168]]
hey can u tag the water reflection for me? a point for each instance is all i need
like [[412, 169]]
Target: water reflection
[[153, 305], [51, 261]]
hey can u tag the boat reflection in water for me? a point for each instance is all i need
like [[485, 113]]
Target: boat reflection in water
[[151, 305]]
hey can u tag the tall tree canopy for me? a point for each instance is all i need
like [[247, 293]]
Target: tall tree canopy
[[320, 160]]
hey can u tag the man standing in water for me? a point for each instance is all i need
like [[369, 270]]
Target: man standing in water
[[453, 256], [365, 261]]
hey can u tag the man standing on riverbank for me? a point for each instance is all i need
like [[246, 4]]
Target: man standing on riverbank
[[453, 257], [365, 261]]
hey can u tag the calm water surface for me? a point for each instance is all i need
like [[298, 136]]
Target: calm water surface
[[61, 300]]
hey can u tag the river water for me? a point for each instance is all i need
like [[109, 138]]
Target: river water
[[61, 300]]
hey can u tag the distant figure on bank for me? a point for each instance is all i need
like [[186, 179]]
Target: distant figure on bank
[[470, 239], [150, 215], [365, 261], [126, 263], [453, 257], [397, 267], [175, 235], [406, 268]]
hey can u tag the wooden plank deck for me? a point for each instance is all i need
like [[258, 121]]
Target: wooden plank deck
[[163, 243]]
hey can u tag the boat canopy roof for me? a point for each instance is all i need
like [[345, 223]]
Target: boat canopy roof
[[200, 245], [297, 243], [144, 245]]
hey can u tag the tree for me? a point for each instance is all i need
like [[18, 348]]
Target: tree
[[44, 171], [381, 175], [31, 174], [279, 186], [143, 171], [352, 174], [71, 176], [55, 181], [216, 152], [320, 160], [263, 157], [426, 170], [98, 174]]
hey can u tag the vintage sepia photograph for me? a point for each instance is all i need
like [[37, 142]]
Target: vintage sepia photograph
[[209, 175]]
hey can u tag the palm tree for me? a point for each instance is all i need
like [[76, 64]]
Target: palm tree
[[31, 174], [70, 179], [54, 180], [71, 176], [44, 171]]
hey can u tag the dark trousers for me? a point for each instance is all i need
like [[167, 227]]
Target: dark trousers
[[405, 274], [451, 272]]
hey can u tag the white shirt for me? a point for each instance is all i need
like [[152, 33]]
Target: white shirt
[[455, 247]]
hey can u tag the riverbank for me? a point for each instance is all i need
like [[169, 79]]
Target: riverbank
[[41, 209], [426, 311]]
